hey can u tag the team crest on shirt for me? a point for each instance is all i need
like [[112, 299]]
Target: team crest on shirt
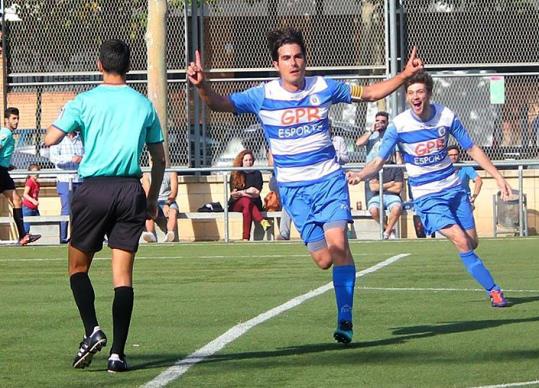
[[314, 100], [441, 131]]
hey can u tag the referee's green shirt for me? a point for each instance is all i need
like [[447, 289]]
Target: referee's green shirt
[[7, 146], [114, 122]]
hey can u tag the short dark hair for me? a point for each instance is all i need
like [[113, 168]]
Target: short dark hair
[[453, 147], [114, 56], [382, 113], [11, 111], [421, 77], [280, 37]]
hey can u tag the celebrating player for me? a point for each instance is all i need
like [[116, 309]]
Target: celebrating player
[[294, 114], [441, 202]]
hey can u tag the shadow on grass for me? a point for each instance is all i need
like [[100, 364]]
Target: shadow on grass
[[425, 331], [401, 335], [513, 301], [153, 361]]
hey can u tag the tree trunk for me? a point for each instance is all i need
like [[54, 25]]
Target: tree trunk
[[157, 69]]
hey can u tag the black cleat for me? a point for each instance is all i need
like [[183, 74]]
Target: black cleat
[[117, 364], [344, 332], [88, 347]]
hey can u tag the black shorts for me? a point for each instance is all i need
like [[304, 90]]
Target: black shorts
[[6, 182], [108, 206]]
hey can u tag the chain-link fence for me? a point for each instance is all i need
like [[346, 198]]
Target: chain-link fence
[[504, 123], [474, 33], [482, 54]]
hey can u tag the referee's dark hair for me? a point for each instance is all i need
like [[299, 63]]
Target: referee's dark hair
[[11, 111], [280, 37], [114, 56], [421, 77]]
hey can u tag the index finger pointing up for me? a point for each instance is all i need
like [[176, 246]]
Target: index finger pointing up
[[414, 53], [198, 61]]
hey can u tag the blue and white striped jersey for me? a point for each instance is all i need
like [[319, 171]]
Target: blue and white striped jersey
[[296, 126], [423, 145]]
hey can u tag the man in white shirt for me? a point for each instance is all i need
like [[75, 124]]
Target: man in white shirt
[[67, 155]]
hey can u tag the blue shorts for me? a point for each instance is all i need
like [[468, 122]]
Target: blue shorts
[[316, 204], [390, 201], [441, 210], [162, 204]]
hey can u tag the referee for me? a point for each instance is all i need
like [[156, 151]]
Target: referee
[[115, 122]]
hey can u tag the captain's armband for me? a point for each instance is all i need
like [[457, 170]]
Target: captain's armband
[[356, 91]]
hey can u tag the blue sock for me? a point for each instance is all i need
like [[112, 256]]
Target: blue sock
[[477, 269], [344, 281]]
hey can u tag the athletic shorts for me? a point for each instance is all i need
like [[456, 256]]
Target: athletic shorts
[[390, 201], [441, 210], [314, 205], [108, 206], [163, 203], [6, 182]]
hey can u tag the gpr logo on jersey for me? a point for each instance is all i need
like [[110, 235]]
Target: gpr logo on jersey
[[430, 159], [300, 115], [300, 131], [430, 146]]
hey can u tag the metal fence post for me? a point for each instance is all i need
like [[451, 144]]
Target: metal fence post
[[381, 203], [225, 206], [520, 202]]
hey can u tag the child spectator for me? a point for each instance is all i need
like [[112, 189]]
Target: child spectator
[[30, 200]]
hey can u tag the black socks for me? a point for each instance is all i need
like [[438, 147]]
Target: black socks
[[122, 307], [84, 297], [17, 216]]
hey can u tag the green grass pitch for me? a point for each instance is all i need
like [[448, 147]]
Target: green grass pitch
[[419, 322]]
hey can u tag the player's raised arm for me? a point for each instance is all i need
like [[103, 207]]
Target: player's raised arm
[[483, 160], [195, 74], [382, 89]]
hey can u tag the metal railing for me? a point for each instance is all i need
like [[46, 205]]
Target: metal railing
[[225, 172]]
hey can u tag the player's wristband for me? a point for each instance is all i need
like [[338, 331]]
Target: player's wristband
[[356, 91]]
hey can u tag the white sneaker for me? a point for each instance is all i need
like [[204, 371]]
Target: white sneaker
[[386, 236], [149, 237], [392, 235], [169, 237]]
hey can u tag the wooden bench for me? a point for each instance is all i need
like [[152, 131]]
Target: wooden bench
[[275, 216], [48, 236], [54, 236]]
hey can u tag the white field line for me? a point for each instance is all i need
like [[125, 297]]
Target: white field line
[[182, 366], [13, 243], [521, 384], [177, 257], [438, 289]]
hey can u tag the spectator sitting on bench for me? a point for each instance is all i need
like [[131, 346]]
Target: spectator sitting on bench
[[393, 180], [245, 187], [168, 208]]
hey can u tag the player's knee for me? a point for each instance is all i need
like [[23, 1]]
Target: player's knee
[[462, 243], [74, 268], [374, 212], [324, 263]]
